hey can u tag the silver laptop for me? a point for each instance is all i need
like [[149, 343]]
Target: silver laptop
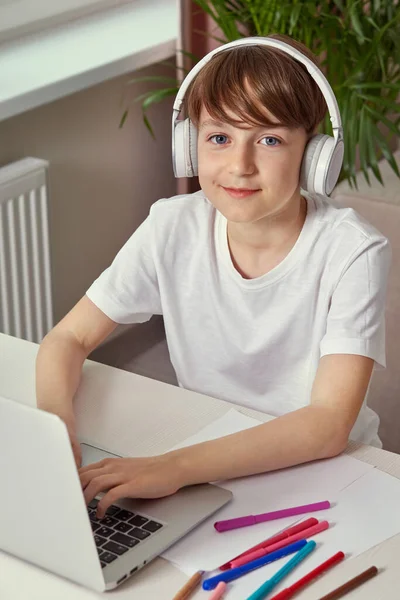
[[44, 519]]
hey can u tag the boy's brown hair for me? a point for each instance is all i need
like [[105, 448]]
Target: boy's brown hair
[[277, 82]]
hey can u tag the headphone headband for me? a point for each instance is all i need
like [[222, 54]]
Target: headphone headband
[[312, 69]]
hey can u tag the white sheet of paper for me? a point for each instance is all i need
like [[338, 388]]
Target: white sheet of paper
[[204, 548], [231, 422]]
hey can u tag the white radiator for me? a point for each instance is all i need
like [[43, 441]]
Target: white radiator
[[25, 278]]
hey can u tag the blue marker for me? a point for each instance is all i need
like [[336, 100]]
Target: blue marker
[[231, 574], [268, 586]]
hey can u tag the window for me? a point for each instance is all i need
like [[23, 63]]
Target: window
[[19, 17]]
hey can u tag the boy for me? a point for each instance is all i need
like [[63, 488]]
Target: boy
[[272, 298]]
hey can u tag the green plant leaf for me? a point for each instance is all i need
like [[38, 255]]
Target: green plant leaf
[[149, 98], [381, 118], [386, 151], [224, 17], [294, 17], [372, 22], [376, 5], [207, 34], [363, 146], [190, 55], [373, 86], [391, 105], [339, 5], [372, 159], [149, 127], [157, 96], [123, 118], [356, 22]]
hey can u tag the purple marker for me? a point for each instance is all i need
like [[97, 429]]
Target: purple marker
[[222, 526]]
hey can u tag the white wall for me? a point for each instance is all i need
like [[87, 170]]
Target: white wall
[[102, 179]]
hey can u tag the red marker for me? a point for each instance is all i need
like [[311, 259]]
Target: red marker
[[290, 591], [276, 538]]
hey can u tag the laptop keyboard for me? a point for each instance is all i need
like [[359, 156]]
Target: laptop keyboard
[[119, 531]]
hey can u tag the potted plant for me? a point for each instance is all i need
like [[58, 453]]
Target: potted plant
[[358, 44]]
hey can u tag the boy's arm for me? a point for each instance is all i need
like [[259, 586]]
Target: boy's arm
[[320, 430], [317, 431], [61, 356]]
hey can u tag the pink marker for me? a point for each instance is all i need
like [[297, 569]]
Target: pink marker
[[228, 524], [219, 590], [302, 535], [282, 535]]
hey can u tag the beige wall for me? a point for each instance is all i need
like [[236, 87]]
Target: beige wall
[[102, 179]]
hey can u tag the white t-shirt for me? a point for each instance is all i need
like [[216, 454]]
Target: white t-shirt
[[254, 342]]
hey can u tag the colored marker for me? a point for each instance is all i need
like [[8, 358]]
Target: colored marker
[[219, 591], [212, 582], [269, 585], [247, 520], [351, 584], [282, 535], [302, 535], [289, 592]]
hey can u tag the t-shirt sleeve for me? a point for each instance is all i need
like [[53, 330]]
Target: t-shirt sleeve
[[356, 318], [127, 291]]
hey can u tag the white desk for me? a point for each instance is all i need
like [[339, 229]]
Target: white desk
[[165, 415]]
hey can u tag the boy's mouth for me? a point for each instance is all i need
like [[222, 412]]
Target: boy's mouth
[[240, 192]]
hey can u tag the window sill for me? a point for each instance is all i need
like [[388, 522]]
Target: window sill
[[52, 64]]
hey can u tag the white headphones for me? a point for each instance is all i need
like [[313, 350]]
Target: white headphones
[[323, 155]]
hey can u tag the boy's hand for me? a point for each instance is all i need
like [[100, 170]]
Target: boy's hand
[[153, 477]]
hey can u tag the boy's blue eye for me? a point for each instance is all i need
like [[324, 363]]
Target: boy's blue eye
[[218, 139], [271, 141]]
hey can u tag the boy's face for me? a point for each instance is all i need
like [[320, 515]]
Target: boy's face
[[247, 172]]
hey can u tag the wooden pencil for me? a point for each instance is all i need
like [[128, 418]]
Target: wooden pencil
[[189, 586]]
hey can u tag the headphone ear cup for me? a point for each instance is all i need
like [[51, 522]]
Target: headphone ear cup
[[335, 166], [192, 132], [178, 154], [322, 161], [185, 149], [310, 161]]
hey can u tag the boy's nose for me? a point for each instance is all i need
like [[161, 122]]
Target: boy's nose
[[241, 162]]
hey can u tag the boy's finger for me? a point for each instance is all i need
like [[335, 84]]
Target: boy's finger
[[100, 484], [87, 476], [114, 494], [94, 465]]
